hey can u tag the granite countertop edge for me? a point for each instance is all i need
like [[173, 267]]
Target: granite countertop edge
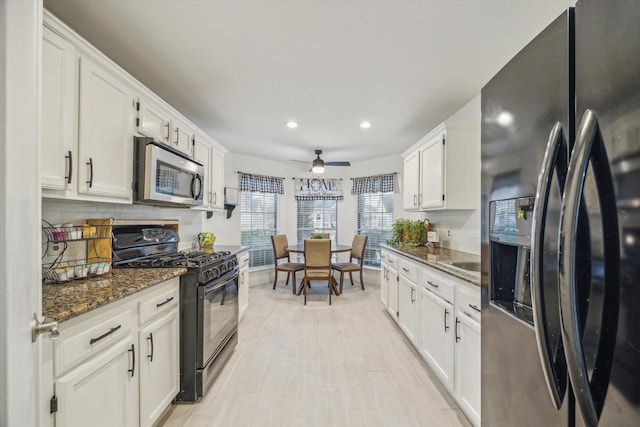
[[64, 301], [438, 256]]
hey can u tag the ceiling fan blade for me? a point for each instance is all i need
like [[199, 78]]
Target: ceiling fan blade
[[337, 164]]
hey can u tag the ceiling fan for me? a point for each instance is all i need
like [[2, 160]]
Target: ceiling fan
[[317, 166]]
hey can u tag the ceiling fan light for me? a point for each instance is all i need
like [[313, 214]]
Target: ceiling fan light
[[317, 166]]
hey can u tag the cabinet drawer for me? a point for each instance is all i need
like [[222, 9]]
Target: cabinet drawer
[[409, 270], [392, 260], [243, 259], [91, 337], [468, 302], [439, 284], [161, 301]]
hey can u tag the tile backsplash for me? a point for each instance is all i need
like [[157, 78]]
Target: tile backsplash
[[61, 212], [464, 226]]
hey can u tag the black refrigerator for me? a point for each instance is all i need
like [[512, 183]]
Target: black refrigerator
[[561, 225]]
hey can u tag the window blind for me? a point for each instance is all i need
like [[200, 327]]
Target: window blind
[[258, 222], [317, 216], [374, 219]]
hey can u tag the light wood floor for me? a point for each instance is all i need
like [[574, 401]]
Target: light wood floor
[[318, 365]]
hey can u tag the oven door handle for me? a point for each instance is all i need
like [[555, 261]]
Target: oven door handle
[[221, 281]]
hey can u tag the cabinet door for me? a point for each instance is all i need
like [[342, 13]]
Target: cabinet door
[[217, 179], [181, 136], [468, 366], [437, 335], [411, 181], [384, 284], [105, 133], [432, 182], [159, 367], [82, 393], [392, 306], [202, 153], [243, 290], [152, 121], [58, 149], [407, 308]]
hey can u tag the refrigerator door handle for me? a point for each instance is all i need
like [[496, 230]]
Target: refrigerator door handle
[[589, 148], [554, 159]]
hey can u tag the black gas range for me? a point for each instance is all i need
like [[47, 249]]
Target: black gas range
[[208, 300]]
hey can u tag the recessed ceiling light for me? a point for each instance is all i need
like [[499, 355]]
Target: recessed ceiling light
[[291, 124], [365, 125]]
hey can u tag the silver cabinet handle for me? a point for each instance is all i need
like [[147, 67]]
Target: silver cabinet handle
[[446, 313], [432, 284], [90, 164], [70, 162], [405, 269], [150, 338], [132, 371], [168, 131], [456, 331], [589, 149], [415, 200], [177, 131], [413, 298], [554, 159], [106, 334], [474, 307]]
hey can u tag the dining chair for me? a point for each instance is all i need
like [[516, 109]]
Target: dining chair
[[357, 253], [317, 264], [280, 251]]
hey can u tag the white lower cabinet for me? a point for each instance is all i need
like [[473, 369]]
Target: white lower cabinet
[[243, 283], [159, 366], [103, 392], [468, 353], [437, 335], [108, 371], [407, 299], [440, 315], [384, 278]]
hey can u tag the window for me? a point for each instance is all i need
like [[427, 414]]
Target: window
[[317, 216], [374, 219], [258, 222]]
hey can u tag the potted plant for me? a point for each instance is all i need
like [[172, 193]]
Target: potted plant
[[405, 232]]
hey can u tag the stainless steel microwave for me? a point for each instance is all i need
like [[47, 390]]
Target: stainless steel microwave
[[165, 176]]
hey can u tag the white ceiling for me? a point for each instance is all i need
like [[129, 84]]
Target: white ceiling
[[241, 69]]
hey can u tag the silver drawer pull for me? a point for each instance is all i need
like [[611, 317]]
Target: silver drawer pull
[[167, 301], [106, 334], [474, 307], [405, 269], [432, 284]]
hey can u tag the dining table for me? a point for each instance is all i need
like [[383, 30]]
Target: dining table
[[335, 248]]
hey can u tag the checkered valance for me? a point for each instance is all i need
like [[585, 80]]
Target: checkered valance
[[261, 183], [318, 189], [373, 184]]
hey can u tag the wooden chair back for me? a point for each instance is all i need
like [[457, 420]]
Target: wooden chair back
[[358, 246], [279, 242]]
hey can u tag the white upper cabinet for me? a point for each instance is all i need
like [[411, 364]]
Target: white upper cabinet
[[181, 136], [432, 176], [106, 128], [442, 170], [411, 181], [59, 147], [217, 179], [152, 120]]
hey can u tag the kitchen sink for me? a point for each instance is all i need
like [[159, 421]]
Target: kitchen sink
[[469, 266]]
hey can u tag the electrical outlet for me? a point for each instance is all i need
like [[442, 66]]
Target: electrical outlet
[[447, 233]]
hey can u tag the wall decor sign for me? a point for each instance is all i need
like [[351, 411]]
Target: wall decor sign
[[318, 189]]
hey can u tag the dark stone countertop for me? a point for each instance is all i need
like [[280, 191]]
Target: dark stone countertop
[[440, 258], [64, 301]]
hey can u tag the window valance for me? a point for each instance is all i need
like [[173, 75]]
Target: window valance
[[261, 183], [318, 189], [373, 184]]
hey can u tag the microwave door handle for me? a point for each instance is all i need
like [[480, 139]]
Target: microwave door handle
[[199, 178], [554, 158], [589, 148], [193, 185]]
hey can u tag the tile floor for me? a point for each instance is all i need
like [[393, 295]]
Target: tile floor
[[346, 364]]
